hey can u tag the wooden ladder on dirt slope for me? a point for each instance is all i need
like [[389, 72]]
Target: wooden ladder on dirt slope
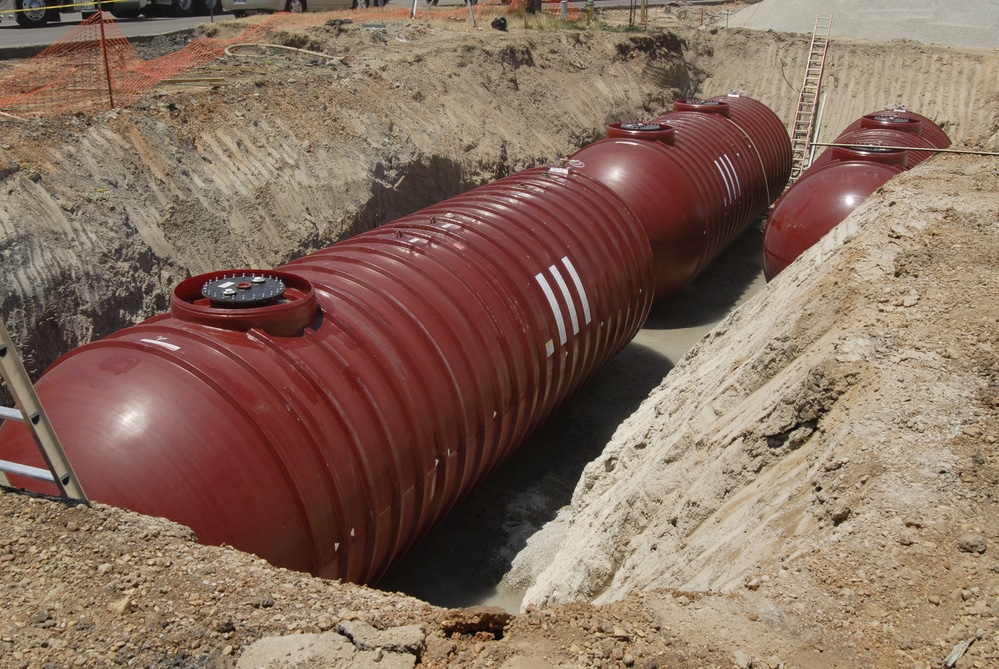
[[28, 409], [808, 97]]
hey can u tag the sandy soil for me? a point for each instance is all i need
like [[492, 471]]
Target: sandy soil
[[834, 505]]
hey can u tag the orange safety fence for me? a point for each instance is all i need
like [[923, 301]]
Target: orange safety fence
[[95, 68]]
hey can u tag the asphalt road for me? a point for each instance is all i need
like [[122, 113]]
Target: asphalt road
[[17, 42]]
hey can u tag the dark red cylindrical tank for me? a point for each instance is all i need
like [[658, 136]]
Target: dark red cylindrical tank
[[867, 144], [901, 120], [881, 145], [718, 164], [325, 415]]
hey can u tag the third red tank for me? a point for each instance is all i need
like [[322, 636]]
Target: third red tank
[[875, 148]]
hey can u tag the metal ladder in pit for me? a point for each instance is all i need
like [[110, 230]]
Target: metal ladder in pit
[[808, 97], [28, 409]]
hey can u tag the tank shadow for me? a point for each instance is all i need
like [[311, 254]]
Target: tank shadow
[[460, 562], [709, 297]]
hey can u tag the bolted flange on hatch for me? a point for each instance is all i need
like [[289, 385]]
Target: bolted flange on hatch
[[704, 106], [645, 131], [279, 303], [872, 153], [891, 120]]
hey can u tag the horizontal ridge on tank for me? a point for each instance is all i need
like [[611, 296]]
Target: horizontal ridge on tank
[[326, 414], [871, 150]]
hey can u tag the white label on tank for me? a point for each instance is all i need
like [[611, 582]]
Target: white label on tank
[[549, 348], [728, 186], [567, 297], [734, 173], [731, 178], [227, 284], [553, 303], [156, 342], [579, 289]]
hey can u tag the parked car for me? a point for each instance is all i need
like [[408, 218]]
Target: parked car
[[243, 7], [35, 13], [183, 7]]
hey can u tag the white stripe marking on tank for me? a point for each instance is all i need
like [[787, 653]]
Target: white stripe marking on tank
[[547, 290], [579, 289], [567, 296], [735, 175], [728, 186], [158, 342]]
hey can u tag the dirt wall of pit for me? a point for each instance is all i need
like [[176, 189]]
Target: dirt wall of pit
[[840, 422], [954, 86], [101, 217]]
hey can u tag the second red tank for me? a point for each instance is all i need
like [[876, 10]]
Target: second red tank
[[877, 147]]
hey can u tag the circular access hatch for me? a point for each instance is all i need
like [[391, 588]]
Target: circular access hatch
[[278, 303]]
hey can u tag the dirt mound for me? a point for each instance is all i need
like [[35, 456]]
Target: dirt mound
[[831, 444]]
